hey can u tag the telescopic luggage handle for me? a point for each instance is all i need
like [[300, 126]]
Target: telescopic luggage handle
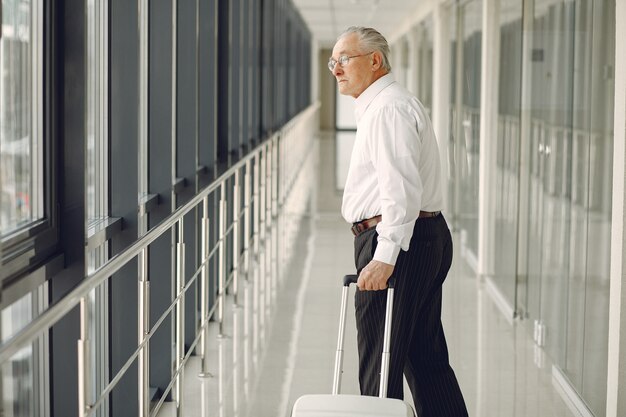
[[352, 279], [384, 369]]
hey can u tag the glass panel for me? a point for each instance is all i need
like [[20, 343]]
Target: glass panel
[[425, 64], [400, 58], [556, 143], [574, 21], [96, 115], [570, 189], [20, 115], [601, 106], [507, 175], [453, 123], [469, 131], [18, 374]]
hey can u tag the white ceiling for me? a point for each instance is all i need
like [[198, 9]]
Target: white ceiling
[[328, 18]]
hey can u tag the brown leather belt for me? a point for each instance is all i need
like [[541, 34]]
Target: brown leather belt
[[363, 225]]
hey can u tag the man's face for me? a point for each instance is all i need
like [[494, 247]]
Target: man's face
[[357, 74]]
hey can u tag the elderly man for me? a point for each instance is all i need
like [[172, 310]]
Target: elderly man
[[393, 197]]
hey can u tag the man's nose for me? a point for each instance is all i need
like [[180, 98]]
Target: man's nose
[[337, 69]]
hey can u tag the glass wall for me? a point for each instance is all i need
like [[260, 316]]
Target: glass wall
[[564, 130], [508, 145], [465, 122], [23, 387], [598, 245], [424, 71], [21, 116], [21, 197], [571, 139]]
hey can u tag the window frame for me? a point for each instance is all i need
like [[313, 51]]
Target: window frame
[[28, 248]]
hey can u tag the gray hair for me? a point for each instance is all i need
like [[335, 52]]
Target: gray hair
[[371, 40]]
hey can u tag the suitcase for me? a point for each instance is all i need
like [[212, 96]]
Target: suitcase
[[335, 405]]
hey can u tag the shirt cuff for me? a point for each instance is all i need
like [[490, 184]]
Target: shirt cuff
[[386, 251]]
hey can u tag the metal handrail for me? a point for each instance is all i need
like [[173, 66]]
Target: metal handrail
[[58, 310]]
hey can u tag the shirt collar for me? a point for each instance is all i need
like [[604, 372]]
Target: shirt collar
[[363, 101]]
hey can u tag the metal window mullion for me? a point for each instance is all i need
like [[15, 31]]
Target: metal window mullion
[[143, 96], [104, 98], [174, 93], [103, 112], [37, 109], [241, 52], [229, 109], [177, 230], [143, 310], [197, 96]]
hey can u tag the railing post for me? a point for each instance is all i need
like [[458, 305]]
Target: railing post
[[257, 202], [236, 237], [180, 317], [204, 291], [143, 328], [221, 291], [83, 359], [246, 219], [263, 192], [281, 168], [275, 175], [269, 187]]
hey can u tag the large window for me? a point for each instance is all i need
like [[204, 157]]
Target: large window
[[464, 149], [23, 391], [570, 146], [28, 225], [21, 197]]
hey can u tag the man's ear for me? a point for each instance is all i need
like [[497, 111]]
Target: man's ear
[[377, 61]]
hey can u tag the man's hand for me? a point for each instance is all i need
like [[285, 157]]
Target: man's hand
[[374, 276]]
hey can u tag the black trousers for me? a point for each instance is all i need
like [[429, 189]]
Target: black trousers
[[418, 344]]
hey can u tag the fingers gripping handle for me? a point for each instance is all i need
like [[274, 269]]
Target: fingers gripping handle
[[352, 279]]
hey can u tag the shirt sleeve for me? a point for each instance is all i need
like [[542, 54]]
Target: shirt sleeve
[[395, 150]]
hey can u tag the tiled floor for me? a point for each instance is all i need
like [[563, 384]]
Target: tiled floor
[[280, 342]]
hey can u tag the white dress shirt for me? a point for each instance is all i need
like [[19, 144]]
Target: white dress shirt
[[394, 169]]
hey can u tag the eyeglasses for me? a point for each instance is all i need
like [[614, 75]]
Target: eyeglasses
[[342, 61]]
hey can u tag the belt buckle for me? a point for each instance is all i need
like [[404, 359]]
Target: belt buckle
[[355, 229]]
